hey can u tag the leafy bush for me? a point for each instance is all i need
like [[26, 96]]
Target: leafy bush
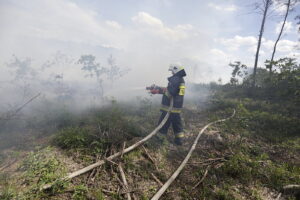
[[97, 130], [280, 175], [242, 167], [260, 119], [74, 137]]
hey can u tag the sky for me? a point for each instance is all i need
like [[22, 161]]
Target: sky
[[145, 36]]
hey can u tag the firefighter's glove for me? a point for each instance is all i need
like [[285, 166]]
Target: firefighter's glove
[[154, 91]]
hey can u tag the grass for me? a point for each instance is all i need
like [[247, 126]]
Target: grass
[[80, 192], [7, 191], [249, 140], [264, 145], [41, 168], [97, 131]]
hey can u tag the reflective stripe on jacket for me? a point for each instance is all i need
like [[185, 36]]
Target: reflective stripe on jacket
[[176, 89]]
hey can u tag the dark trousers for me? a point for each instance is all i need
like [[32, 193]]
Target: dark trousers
[[175, 120]]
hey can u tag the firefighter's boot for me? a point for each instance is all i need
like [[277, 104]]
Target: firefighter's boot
[[179, 138]]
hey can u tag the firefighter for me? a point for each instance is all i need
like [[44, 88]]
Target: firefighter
[[175, 89]]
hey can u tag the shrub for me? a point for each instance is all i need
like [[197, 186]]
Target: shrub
[[242, 167], [97, 130]]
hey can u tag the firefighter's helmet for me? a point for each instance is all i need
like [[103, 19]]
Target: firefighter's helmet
[[174, 68]]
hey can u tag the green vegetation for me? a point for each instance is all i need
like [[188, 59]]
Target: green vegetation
[[7, 191], [262, 140], [97, 131], [41, 168], [80, 192], [259, 149]]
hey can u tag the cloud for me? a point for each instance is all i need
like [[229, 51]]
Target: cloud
[[113, 24], [228, 8], [268, 44], [57, 20], [237, 42], [140, 40], [288, 27], [243, 46], [279, 7], [286, 46], [218, 53], [153, 25], [146, 19]]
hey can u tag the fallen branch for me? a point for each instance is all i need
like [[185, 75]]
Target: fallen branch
[[124, 182], [128, 149], [90, 176], [12, 114], [184, 162], [278, 197], [110, 161], [149, 156], [203, 177], [108, 191], [209, 160], [124, 145], [157, 180]]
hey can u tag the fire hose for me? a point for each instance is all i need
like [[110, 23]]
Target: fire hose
[[137, 144], [182, 165], [128, 149]]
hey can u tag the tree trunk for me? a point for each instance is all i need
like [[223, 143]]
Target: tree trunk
[[266, 7], [279, 36]]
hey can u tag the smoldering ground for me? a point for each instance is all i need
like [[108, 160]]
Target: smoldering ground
[[41, 97]]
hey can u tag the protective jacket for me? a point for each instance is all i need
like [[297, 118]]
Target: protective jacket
[[176, 89]]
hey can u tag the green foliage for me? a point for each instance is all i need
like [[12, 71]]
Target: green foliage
[[223, 194], [77, 138], [98, 194], [130, 159], [241, 167], [280, 175], [271, 121], [95, 69], [97, 130], [80, 192], [264, 121], [239, 71], [41, 168], [247, 169], [91, 67], [281, 85], [7, 191], [114, 123]]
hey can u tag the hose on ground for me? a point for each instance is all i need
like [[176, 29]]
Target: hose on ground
[[182, 165]]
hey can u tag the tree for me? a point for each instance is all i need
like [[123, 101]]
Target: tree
[[114, 71], [298, 22], [239, 71], [279, 36], [24, 75], [264, 6], [93, 69]]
